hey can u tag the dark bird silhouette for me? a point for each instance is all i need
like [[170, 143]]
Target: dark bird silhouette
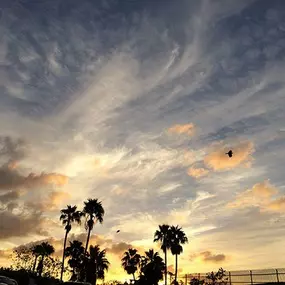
[[118, 231], [230, 153]]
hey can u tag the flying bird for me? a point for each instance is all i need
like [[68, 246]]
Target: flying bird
[[230, 153], [118, 231]]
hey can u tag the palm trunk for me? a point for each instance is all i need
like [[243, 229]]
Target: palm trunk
[[87, 241], [35, 263], [176, 267], [64, 246], [165, 259], [41, 266], [134, 277]]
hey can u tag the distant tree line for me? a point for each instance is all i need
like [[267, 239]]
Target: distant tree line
[[89, 263]]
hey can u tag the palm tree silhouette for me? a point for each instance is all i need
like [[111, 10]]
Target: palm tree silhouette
[[93, 211], [75, 252], [153, 267], [96, 264], [131, 261], [162, 235], [36, 251], [178, 238], [46, 250], [68, 216]]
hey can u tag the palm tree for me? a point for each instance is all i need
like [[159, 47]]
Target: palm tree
[[131, 261], [93, 211], [75, 252], [45, 251], [153, 267], [96, 264], [178, 238], [162, 235], [36, 251], [68, 216]]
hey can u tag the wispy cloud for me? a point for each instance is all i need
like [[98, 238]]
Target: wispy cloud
[[138, 112]]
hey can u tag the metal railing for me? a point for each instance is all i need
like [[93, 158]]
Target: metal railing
[[242, 277]]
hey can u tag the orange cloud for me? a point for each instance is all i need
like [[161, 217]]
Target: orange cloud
[[13, 164], [171, 268], [218, 160], [277, 205], [259, 195], [197, 172], [47, 178], [182, 129], [55, 198]]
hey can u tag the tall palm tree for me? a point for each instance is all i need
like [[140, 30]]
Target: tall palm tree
[[131, 261], [75, 252], [68, 216], [162, 235], [36, 251], [178, 238], [46, 250], [153, 267], [93, 211], [96, 264]]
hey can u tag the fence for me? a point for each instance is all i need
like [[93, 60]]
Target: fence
[[242, 277]]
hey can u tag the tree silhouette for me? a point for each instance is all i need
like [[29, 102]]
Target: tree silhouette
[[93, 212], [131, 261], [68, 216], [46, 250], [75, 252], [152, 268], [96, 264], [36, 251], [162, 235], [217, 278], [178, 238]]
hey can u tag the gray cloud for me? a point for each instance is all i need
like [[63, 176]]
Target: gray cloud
[[20, 225], [210, 257]]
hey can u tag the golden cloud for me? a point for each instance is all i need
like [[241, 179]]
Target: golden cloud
[[46, 178], [188, 129], [197, 172], [53, 200], [277, 205], [218, 160], [259, 195]]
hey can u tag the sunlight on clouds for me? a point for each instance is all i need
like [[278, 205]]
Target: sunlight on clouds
[[277, 205], [182, 129], [260, 195], [218, 160], [197, 172], [169, 188]]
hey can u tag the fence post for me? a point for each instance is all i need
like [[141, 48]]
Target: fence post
[[251, 281], [277, 275], [230, 277]]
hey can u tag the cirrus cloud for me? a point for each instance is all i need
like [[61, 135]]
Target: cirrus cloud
[[197, 172], [180, 129]]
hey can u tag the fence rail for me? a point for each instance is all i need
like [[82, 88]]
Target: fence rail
[[242, 277]]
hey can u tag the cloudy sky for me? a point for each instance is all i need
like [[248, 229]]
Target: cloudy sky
[[135, 103]]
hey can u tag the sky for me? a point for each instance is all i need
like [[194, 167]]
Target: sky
[[136, 103]]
